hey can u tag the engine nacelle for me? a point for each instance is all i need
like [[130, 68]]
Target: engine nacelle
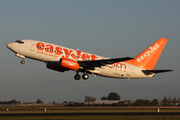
[[70, 64], [56, 67]]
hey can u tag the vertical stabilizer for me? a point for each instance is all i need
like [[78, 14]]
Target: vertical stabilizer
[[149, 57]]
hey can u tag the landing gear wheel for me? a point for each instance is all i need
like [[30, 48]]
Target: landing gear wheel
[[22, 62], [85, 76], [77, 77]]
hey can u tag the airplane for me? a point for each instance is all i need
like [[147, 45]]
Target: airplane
[[63, 59]]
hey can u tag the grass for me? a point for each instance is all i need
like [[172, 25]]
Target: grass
[[94, 118], [61, 109], [95, 110]]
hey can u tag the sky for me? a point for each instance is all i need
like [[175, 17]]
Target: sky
[[116, 28]]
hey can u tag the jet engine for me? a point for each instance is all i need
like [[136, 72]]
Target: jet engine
[[70, 64], [56, 67]]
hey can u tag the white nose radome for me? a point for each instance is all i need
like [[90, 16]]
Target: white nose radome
[[9, 45]]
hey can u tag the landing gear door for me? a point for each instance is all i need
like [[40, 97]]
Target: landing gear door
[[32, 47]]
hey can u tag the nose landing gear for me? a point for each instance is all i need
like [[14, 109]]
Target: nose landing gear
[[22, 62], [21, 56]]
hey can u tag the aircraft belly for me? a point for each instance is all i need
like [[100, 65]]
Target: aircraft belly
[[113, 73], [108, 72]]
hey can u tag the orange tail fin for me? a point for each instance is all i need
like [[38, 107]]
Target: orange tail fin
[[148, 58]]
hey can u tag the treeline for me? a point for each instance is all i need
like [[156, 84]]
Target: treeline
[[170, 101], [111, 96], [9, 102], [141, 102], [39, 101], [138, 102], [91, 101]]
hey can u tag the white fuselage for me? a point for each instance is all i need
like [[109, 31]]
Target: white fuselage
[[48, 52]]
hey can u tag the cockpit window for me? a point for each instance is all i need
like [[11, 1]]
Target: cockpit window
[[19, 41]]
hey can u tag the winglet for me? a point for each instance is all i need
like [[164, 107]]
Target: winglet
[[149, 57]]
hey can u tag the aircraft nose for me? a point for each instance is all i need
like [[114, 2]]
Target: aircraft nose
[[9, 45]]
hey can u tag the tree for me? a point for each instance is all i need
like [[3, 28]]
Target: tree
[[89, 99], [169, 100], [174, 100], [13, 101], [178, 100], [154, 102], [104, 98], [39, 101], [147, 103], [65, 102], [140, 102], [113, 96], [165, 100]]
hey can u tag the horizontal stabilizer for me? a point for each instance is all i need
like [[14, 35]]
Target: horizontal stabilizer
[[148, 72]]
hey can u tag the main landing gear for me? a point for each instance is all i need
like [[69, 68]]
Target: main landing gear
[[85, 76], [77, 77]]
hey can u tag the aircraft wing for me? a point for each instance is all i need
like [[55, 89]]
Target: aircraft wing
[[90, 64]]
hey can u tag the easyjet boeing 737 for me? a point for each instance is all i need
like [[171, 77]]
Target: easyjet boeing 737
[[63, 59]]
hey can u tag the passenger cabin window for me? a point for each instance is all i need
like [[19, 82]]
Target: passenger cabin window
[[19, 41]]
